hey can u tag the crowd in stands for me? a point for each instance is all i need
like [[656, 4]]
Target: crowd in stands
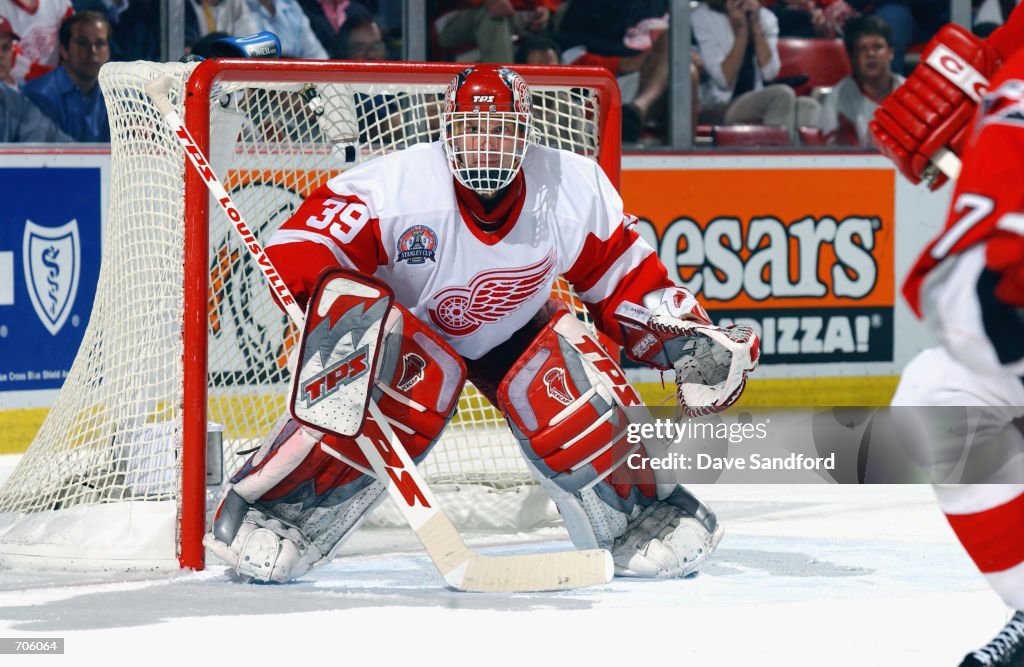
[[51, 52]]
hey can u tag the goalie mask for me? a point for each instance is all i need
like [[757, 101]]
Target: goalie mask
[[486, 126]]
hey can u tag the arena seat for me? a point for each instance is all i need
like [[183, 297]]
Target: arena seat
[[811, 136], [749, 135], [823, 61]]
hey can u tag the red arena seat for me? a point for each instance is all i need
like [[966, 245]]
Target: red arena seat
[[750, 135], [811, 136], [823, 61]]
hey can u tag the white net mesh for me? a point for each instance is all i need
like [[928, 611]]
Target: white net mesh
[[114, 435]]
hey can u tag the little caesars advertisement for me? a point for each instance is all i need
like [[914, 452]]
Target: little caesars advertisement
[[805, 256]]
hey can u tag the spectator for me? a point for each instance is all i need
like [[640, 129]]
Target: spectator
[[70, 95], [911, 22], [360, 38], [21, 120], [230, 16], [135, 32], [286, 19], [37, 21], [850, 105], [738, 42], [490, 25], [630, 40], [7, 39], [326, 17], [378, 117], [538, 51], [813, 18]]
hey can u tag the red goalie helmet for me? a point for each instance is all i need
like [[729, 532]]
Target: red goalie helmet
[[486, 126]]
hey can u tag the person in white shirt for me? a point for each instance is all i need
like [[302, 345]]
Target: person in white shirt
[[230, 16], [286, 19], [738, 42], [849, 107]]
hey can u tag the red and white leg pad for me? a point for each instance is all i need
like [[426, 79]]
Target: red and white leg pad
[[565, 401], [292, 504]]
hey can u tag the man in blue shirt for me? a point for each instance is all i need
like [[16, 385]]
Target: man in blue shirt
[[70, 94]]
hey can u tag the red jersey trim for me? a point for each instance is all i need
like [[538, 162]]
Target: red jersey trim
[[505, 213], [992, 547]]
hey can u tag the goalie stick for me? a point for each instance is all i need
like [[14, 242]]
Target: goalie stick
[[461, 567]]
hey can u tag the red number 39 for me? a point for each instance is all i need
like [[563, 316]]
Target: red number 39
[[342, 219]]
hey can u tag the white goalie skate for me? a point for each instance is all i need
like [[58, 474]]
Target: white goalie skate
[[666, 540]]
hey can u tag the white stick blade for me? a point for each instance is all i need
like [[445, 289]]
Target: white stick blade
[[534, 572]]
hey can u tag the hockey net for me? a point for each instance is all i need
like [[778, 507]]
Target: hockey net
[[185, 348]]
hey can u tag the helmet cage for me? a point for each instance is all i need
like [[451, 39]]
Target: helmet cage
[[485, 149], [485, 137]]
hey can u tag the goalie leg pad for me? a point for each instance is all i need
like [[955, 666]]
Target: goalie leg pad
[[270, 549], [564, 400], [317, 485]]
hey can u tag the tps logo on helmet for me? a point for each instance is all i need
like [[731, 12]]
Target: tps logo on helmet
[[483, 98]]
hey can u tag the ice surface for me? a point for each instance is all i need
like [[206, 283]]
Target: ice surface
[[821, 575]]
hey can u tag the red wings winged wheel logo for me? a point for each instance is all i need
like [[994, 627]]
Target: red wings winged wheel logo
[[490, 296]]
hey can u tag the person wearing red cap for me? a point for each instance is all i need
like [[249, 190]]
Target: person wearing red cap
[[21, 121], [471, 233], [7, 39]]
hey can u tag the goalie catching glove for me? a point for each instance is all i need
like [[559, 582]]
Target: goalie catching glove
[[671, 331]]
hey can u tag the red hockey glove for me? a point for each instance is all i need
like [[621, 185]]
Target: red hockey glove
[[934, 108]]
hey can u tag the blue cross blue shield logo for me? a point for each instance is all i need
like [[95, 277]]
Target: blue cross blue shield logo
[[52, 260]]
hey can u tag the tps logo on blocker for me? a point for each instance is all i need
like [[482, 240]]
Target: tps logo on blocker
[[52, 260]]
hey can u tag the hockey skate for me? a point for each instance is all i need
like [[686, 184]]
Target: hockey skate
[[1006, 649]]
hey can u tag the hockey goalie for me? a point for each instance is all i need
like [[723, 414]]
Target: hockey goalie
[[470, 233]]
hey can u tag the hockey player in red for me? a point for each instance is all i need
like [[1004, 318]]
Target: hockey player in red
[[968, 285], [471, 232]]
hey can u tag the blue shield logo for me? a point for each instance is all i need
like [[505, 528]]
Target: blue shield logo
[[52, 260]]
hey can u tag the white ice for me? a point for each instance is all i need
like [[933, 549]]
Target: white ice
[[806, 575]]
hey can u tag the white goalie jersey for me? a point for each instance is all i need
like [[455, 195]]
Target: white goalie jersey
[[398, 217]]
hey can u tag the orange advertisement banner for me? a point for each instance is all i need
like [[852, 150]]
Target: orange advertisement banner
[[764, 238], [806, 256]]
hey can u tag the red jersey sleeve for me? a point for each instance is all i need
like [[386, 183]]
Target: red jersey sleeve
[[328, 230], [607, 272]]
